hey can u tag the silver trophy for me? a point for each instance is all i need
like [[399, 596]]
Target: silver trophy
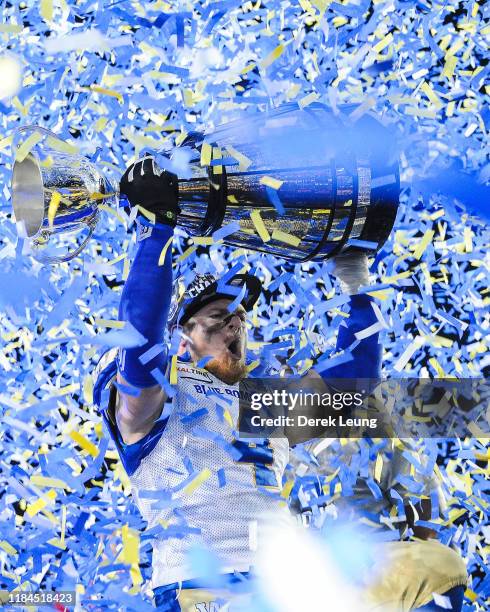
[[301, 184], [55, 195]]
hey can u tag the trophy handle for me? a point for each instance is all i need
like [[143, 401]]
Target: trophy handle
[[52, 259]]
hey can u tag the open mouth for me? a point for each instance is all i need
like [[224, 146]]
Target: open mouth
[[235, 349]]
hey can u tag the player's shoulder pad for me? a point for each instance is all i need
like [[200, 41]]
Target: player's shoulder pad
[[104, 374]]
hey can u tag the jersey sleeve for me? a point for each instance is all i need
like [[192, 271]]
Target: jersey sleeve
[[105, 398], [145, 303]]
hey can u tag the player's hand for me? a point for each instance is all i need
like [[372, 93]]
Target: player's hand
[[352, 271], [156, 190]]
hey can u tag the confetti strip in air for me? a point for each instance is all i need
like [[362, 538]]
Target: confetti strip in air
[[285, 237], [271, 182], [260, 225], [197, 481]]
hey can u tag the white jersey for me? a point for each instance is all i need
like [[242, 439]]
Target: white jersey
[[194, 482]]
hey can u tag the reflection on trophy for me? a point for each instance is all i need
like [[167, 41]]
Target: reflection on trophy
[[301, 184], [55, 193]]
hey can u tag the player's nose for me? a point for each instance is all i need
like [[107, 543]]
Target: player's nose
[[234, 322]]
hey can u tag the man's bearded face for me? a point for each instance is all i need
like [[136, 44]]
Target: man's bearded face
[[217, 333]]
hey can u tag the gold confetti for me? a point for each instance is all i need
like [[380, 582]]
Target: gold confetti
[[269, 181], [423, 244], [163, 253], [112, 323], [8, 548], [206, 152], [378, 468], [60, 145], [197, 481], [431, 94], [39, 504], [217, 155], [286, 238], [273, 55], [46, 10], [84, 443], [26, 147], [53, 207], [105, 92], [44, 481], [130, 539], [204, 240], [10, 28], [173, 371], [260, 225], [450, 66], [243, 161], [309, 99], [384, 42], [187, 253]]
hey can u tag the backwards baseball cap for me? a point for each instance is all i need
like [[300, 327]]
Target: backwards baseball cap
[[206, 288]]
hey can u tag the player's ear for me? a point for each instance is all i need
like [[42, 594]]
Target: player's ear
[[185, 344], [183, 348]]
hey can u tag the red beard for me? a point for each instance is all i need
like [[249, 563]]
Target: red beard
[[227, 369]]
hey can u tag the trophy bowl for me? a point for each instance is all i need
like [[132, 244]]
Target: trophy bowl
[[55, 194]]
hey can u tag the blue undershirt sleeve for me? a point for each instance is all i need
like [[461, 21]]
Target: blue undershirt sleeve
[[131, 455], [145, 303], [366, 356], [105, 398]]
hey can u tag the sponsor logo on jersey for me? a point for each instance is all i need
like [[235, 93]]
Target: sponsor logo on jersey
[[207, 606], [194, 373]]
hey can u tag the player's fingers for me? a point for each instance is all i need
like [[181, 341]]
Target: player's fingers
[[133, 171], [147, 164], [128, 174], [157, 171], [139, 168]]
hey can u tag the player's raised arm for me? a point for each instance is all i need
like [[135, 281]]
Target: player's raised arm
[[146, 298], [351, 269]]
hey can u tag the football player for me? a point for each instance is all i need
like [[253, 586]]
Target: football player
[[194, 482]]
